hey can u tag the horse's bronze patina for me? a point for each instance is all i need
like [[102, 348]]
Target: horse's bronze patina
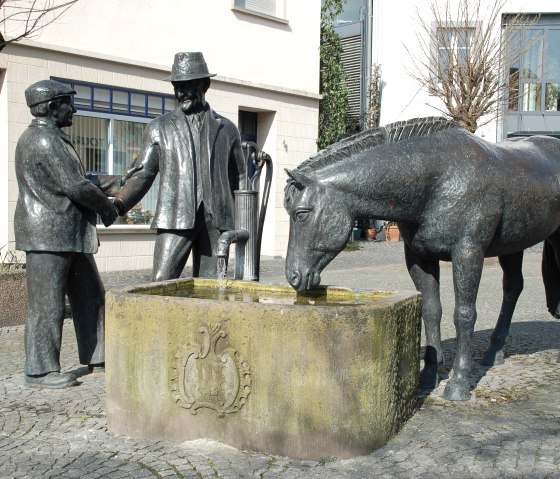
[[455, 197]]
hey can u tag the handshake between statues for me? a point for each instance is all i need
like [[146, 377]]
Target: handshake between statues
[[111, 185]]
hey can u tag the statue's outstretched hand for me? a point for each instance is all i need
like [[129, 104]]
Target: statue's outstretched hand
[[109, 217], [128, 173], [120, 206]]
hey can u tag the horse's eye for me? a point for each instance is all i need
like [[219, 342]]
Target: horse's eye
[[300, 215]]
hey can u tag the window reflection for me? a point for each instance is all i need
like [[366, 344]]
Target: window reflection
[[552, 98], [102, 99], [351, 13], [454, 45], [513, 89], [531, 97], [89, 137], [120, 102], [101, 153], [532, 64], [552, 54], [534, 79], [127, 140]]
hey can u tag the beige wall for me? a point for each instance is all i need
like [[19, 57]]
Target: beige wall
[[125, 248], [287, 131], [4, 175]]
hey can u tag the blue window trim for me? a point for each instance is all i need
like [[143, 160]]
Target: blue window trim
[[92, 86]]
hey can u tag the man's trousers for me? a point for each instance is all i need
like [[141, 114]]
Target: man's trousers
[[50, 276], [173, 247]]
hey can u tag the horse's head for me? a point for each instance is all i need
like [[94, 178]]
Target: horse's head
[[320, 225]]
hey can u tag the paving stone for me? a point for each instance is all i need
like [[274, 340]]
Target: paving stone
[[510, 428]]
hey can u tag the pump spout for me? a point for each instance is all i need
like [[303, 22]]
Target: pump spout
[[229, 237]]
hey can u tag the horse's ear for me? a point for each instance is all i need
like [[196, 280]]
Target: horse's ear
[[298, 177]]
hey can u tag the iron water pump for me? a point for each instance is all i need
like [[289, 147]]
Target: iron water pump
[[249, 218]]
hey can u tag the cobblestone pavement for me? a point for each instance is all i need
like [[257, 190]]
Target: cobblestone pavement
[[509, 429]]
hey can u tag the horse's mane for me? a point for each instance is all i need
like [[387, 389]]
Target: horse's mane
[[392, 133]]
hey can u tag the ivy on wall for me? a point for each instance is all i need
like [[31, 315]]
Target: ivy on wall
[[333, 122]]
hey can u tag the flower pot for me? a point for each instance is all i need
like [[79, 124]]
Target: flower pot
[[393, 234], [370, 234]]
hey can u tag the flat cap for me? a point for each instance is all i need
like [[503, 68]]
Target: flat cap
[[46, 90]]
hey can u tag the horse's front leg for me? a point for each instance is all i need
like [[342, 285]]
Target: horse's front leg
[[425, 275], [512, 286], [467, 269]]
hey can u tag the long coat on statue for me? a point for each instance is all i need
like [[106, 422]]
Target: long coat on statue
[[57, 203], [168, 150]]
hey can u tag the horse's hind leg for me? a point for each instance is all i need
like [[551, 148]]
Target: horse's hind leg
[[551, 273], [425, 275], [512, 287]]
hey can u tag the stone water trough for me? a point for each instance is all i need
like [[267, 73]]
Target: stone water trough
[[260, 368]]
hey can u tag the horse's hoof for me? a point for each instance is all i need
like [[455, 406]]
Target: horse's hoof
[[493, 358], [429, 378], [457, 390]]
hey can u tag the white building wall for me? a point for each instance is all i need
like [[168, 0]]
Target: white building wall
[[235, 45], [262, 65], [401, 97]]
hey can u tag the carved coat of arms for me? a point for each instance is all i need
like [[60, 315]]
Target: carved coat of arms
[[207, 376]]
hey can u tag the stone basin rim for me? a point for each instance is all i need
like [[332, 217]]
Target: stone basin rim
[[382, 297]]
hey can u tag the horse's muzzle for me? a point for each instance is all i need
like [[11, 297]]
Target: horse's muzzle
[[303, 283], [294, 279]]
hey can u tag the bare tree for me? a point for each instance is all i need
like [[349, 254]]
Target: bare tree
[[21, 19], [463, 58]]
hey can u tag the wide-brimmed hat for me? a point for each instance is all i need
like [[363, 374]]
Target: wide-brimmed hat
[[189, 66], [46, 90]]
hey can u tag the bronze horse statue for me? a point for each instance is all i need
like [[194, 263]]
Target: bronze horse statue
[[455, 197]]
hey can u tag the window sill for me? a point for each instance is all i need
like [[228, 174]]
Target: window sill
[[124, 229], [260, 15], [534, 113]]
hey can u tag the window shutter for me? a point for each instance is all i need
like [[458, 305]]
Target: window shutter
[[267, 7], [351, 62]]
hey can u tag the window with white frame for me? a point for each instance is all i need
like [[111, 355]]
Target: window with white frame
[[107, 132], [534, 79], [271, 8], [453, 49]]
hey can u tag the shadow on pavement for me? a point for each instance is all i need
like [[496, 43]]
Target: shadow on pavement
[[525, 338]]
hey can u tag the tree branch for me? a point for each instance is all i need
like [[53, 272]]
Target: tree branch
[[22, 19], [462, 61]]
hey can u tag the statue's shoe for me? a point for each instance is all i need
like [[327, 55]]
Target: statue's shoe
[[96, 368], [53, 380]]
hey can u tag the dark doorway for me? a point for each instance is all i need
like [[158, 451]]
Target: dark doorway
[[248, 125]]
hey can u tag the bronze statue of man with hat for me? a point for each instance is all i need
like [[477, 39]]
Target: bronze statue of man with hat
[[54, 224], [198, 156]]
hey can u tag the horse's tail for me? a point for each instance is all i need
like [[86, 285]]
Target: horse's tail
[[551, 273]]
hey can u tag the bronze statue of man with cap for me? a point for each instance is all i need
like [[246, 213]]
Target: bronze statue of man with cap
[[54, 224], [198, 156]]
